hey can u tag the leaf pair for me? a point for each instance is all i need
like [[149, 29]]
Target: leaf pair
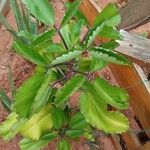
[[93, 105], [44, 91], [70, 87], [27, 102], [71, 12], [59, 118], [104, 25], [71, 33], [77, 126]]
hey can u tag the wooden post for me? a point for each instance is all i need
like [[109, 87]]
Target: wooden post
[[129, 79]]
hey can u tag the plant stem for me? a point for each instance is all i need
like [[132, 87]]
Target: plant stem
[[58, 65], [83, 39], [58, 81], [83, 73], [58, 30], [61, 71]]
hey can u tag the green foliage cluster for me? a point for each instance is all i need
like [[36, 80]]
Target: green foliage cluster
[[40, 110]]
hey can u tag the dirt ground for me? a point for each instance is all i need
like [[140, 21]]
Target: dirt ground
[[22, 69]]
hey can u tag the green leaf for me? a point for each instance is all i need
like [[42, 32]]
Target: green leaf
[[71, 12], [114, 96], [18, 15], [74, 133], [111, 33], [109, 56], [15, 129], [78, 122], [58, 117], [42, 10], [97, 64], [95, 112], [71, 33], [111, 45], [29, 24], [66, 57], [6, 102], [66, 34], [55, 48], [53, 93], [5, 127], [109, 15], [91, 64], [47, 35], [93, 33], [44, 91], [70, 87], [84, 65], [38, 123], [42, 47], [25, 95], [28, 53], [80, 16], [63, 145], [75, 29], [28, 144], [26, 37]]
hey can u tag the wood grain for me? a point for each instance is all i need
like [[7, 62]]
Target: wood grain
[[135, 47], [134, 14]]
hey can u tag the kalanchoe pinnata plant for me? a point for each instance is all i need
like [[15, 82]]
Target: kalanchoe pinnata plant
[[41, 110]]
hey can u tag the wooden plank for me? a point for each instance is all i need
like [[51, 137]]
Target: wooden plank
[[135, 46], [126, 77], [134, 14], [143, 77], [115, 142], [129, 79], [132, 141], [146, 146]]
